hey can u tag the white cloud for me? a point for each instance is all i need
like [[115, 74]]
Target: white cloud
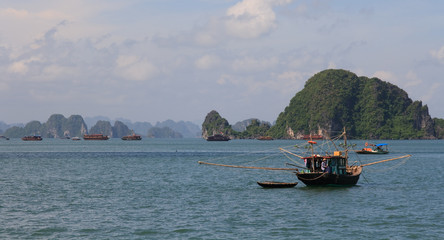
[[430, 94], [252, 18], [135, 68], [386, 76], [413, 79], [252, 64], [438, 54], [18, 67], [21, 67], [207, 62], [11, 12]]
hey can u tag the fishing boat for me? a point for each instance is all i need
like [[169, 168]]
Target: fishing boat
[[132, 137], [32, 138], [264, 138], [332, 168], [328, 168], [271, 184], [95, 137], [381, 148], [218, 137], [312, 137], [323, 167]]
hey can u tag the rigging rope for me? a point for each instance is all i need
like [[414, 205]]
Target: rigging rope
[[235, 166]]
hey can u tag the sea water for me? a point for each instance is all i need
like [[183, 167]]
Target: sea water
[[155, 189]]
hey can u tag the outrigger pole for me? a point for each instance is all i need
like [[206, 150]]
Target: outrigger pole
[[283, 150], [387, 160], [235, 166]]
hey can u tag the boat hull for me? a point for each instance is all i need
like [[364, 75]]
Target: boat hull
[[324, 178], [371, 152], [269, 184], [132, 138]]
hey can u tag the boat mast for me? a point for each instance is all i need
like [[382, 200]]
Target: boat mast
[[345, 147]]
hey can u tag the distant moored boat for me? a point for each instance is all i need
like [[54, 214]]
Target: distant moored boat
[[32, 138], [95, 137], [218, 137], [132, 137]]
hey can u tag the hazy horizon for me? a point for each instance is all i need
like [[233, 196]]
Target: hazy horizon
[[150, 61]]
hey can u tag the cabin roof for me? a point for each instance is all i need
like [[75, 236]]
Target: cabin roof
[[381, 144]]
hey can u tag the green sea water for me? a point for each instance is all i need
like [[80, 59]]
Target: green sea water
[[155, 189]]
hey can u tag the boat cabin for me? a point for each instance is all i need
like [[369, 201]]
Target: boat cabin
[[336, 164]]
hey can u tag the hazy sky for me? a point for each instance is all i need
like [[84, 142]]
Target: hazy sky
[[153, 60]]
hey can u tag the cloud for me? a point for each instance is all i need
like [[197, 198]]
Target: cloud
[[248, 64], [413, 79], [386, 76], [438, 54], [11, 12], [432, 89], [252, 18], [207, 62], [18, 67], [135, 68]]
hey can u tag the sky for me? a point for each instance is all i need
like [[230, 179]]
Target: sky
[[153, 60]]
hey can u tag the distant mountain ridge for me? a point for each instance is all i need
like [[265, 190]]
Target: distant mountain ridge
[[57, 126]]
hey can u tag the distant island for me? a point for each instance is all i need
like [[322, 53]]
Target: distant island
[[57, 126], [368, 108]]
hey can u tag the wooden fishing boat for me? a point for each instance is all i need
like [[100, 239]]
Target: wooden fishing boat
[[32, 138], [329, 168], [132, 137], [321, 168], [95, 137], [332, 168], [265, 138], [218, 137], [381, 148], [312, 137], [270, 184]]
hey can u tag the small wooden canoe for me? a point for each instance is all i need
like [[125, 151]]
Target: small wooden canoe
[[269, 184]]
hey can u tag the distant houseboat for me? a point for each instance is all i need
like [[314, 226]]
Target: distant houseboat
[[132, 137], [218, 137], [32, 138], [95, 137], [312, 137], [266, 138]]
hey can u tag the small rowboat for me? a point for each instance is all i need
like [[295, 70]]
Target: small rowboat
[[269, 184]]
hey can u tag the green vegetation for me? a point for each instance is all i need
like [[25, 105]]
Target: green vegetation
[[439, 127], [368, 107], [215, 124], [255, 129]]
